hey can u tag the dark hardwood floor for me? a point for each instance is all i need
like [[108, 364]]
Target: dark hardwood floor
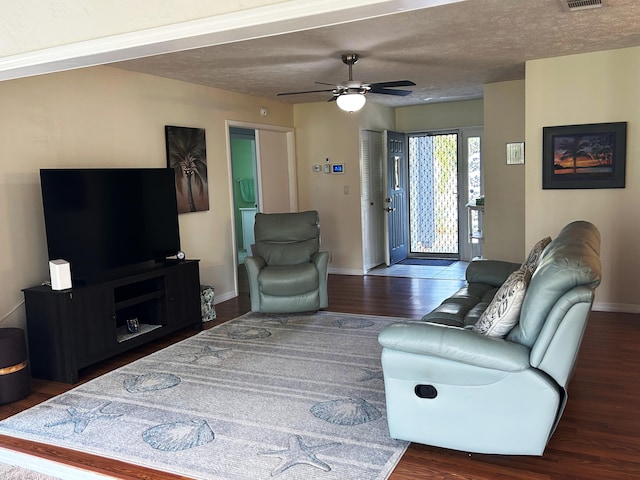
[[597, 438]]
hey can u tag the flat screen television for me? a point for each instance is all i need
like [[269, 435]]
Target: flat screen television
[[109, 221]]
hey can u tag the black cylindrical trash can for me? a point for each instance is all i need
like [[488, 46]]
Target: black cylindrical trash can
[[15, 382]]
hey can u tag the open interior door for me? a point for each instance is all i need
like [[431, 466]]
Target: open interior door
[[396, 199]]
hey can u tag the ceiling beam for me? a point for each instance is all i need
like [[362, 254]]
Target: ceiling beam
[[260, 22]]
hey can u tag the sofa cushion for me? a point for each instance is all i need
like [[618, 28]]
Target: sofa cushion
[[462, 308], [504, 310], [531, 263]]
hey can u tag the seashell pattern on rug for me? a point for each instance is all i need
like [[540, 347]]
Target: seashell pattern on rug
[[173, 437], [353, 323], [346, 411], [248, 333], [148, 382]]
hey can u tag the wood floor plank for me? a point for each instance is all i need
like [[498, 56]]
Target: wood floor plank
[[597, 438]]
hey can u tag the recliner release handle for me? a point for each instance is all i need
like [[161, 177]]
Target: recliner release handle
[[426, 391]]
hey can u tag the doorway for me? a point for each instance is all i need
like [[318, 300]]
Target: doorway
[[440, 176], [242, 143], [445, 177], [433, 195], [262, 178]]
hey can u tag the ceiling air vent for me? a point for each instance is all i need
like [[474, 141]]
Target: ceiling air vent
[[574, 5]]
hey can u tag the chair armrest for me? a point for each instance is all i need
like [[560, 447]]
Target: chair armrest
[[491, 272], [456, 344], [254, 264], [321, 261]]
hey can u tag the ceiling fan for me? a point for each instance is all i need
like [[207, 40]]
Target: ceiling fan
[[350, 95]]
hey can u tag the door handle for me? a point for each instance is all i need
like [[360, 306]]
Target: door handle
[[389, 209]]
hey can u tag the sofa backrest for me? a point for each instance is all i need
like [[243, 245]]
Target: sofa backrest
[[287, 238], [571, 260]]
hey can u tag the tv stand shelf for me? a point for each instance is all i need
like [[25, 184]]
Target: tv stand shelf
[[140, 299], [72, 329]]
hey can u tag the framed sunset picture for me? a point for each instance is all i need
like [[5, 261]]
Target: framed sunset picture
[[584, 156]]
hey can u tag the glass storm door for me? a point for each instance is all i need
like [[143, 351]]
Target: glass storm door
[[433, 195]]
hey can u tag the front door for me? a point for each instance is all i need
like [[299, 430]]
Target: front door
[[396, 221]]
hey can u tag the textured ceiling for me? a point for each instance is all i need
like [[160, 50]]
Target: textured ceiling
[[449, 51]]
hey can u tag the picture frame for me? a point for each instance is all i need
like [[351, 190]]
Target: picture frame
[[187, 155], [515, 153], [584, 156]]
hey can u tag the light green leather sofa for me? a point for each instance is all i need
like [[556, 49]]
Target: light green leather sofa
[[448, 385], [287, 272]]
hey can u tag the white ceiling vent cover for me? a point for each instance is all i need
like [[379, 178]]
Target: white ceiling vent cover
[[573, 5]]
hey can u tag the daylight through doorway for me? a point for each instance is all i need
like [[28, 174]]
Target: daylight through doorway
[[433, 195]]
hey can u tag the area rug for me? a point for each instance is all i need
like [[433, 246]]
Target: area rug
[[259, 397], [427, 262]]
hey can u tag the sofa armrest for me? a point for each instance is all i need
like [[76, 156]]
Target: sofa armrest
[[491, 272], [456, 344]]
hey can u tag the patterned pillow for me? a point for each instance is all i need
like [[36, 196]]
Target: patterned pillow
[[504, 310], [531, 263]]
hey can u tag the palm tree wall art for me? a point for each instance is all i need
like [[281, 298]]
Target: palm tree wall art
[[187, 155], [584, 156]]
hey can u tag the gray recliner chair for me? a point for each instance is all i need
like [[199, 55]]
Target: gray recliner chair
[[287, 272]]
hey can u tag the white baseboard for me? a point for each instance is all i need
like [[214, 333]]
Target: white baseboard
[[49, 467], [345, 271], [223, 297]]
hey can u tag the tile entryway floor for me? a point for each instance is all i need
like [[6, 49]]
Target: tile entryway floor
[[454, 271]]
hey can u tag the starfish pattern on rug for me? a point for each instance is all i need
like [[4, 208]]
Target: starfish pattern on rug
[[81, 417], [298, 453]]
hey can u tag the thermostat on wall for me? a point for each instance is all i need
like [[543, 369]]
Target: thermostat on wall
[[337, 168]]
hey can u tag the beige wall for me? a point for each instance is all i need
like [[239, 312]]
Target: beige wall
[[104, 116], [438, 116], [324, 131], [504, 219], [581, 89]]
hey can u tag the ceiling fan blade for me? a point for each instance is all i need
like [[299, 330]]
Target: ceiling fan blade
[[389, 91], [324, 83], [308, 91], [397, 83]]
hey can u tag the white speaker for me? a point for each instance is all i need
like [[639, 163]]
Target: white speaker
[[60, 271]]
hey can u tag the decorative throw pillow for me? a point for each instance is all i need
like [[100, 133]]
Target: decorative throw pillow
[[504, 310], [531, 263]]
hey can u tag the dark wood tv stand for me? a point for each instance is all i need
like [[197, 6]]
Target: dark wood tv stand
[[72, 329]]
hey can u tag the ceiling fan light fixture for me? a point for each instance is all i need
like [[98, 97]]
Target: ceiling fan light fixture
[[351, 102]]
